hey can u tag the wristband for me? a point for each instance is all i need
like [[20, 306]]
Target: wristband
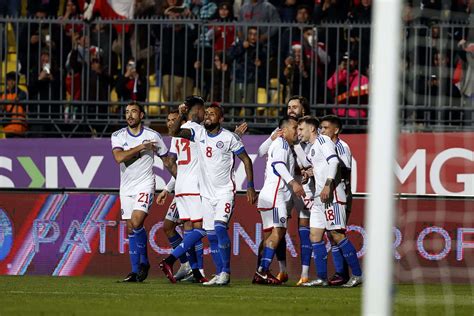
[[250, 184]]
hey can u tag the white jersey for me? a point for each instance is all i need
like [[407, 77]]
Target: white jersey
[[345, 157], [188, 172], [322, 151], [217, 161], [303, 163], [136, 175], [344, 153], [274, 187]]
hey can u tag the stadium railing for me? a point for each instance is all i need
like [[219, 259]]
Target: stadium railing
[[84, 96]]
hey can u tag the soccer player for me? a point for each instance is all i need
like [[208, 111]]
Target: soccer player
[[187, 191], [134, 148], [217, 149], [331, 126], [298, 106], [172, 219], [275, 196]]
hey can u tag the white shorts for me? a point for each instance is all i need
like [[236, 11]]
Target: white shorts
[[140, 202], [172, 214], [275, 218], [332, 218], [190, 207], [217, 210], [301, 206]]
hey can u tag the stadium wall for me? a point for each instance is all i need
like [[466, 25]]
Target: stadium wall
[[72, 234]]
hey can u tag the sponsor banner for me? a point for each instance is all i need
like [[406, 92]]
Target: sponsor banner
[[72, 234], [434, 163]]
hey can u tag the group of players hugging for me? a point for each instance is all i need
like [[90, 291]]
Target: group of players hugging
[[307, 171]]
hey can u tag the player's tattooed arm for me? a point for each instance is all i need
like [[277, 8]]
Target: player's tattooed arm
[[327, 192], [131, 155], [170, 164], [251, 194]]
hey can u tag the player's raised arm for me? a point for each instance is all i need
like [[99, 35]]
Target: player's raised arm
[[263, 149], [176, 130]]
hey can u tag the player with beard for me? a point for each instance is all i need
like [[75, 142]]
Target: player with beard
[[217, 149], [134, 148], [298, 107]]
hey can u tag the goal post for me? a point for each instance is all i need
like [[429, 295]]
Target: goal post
[[383, 136]]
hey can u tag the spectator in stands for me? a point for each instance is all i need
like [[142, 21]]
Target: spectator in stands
[[259, 11], [287, 11], [263, 11], [35, 38], [44, 86], [11, 8], [223, 36], [14, 117], [330, 11], [178, 56], [294, 34], [333, 38], [248, 64], [360, 36], [220, 80], [71, 12], [50, 6], [308, 60], [85, 60], [131, 86], [201, 9], [141, 40], [349, 86]]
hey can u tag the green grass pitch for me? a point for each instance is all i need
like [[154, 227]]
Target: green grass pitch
[[34, 295]]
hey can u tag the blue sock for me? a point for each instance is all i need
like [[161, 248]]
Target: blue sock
[[305, 247], [188, 242], [199, 248], [321, 259], [350, 255], [215, 253], [224, 245], [141, 239], [191, 253], [267, 258], [338, 260], [133, 252], [174, 242]]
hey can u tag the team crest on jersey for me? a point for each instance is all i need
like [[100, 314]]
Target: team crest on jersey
[[312, 152], [220, 145], [283, 220]]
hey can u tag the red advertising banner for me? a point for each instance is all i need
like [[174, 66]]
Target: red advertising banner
[[82, 234]]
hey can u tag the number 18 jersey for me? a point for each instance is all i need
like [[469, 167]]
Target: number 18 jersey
[[188, 172]]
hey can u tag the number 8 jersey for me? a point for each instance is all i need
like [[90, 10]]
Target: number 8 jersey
[[217, 161], [187, 161]]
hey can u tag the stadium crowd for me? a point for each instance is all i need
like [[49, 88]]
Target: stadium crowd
[[68, 70]]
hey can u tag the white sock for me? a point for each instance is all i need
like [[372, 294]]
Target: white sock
[[304, 271], [202, 272], [282, 265]]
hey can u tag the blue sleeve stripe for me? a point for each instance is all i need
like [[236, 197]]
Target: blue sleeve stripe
[[192, 134], [239, 151], [164, 155], [330, 157], [117, 147], [273, 167]]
